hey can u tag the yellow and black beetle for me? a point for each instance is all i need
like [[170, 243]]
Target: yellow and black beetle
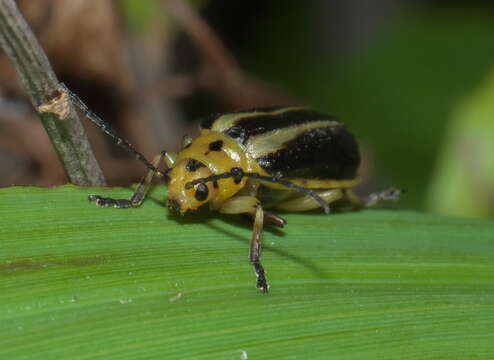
[[282, 158]]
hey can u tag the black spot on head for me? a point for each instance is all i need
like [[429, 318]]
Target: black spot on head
[[215, 184], [216, 145], [202, 192], [237, 174], [192, 165]]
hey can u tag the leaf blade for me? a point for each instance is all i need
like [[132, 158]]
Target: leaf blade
[[84, 282]]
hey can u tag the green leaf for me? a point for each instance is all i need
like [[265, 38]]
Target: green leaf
[[81, 282]]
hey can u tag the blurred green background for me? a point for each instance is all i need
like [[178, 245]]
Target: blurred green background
[[400, 92], [412, 79]]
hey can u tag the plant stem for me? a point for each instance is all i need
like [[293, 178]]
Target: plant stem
[[40, 82]]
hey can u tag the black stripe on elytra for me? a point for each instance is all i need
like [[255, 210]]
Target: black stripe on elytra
[[329, 152], [207, 122], [192, 165], [250, 126]]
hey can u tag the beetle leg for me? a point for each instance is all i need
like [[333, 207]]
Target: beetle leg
[[255, 250], [251, 206], [356, 201], [142, 188], [239, 205], [391, 194], [273, 219], [305, 203], [270, 218]]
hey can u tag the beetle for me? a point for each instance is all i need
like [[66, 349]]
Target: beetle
[[287, 158]]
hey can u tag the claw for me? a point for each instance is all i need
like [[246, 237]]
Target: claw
[[262, 283], [391, 194]]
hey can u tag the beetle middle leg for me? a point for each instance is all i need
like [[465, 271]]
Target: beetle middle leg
[[305, 203], [251, 206], [142, 188]]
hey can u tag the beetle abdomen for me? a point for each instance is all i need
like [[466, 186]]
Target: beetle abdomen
[[329, 152]]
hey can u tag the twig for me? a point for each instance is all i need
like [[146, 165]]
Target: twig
[[66, 132]]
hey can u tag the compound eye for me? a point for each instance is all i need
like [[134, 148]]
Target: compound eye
[[202, 192]]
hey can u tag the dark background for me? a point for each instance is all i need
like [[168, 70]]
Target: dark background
[[412, 80]]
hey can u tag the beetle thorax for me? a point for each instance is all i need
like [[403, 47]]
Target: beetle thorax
[[211, 153]]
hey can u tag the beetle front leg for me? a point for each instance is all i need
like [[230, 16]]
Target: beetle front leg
[[255, 250], [251, 206], [142, 188]]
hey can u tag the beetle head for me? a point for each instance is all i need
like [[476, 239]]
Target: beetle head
[[183, 199]]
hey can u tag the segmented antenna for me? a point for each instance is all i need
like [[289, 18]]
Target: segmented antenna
[[106, 128], [238, 173]]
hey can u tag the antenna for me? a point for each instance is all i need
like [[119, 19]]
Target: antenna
[[106, 128]]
